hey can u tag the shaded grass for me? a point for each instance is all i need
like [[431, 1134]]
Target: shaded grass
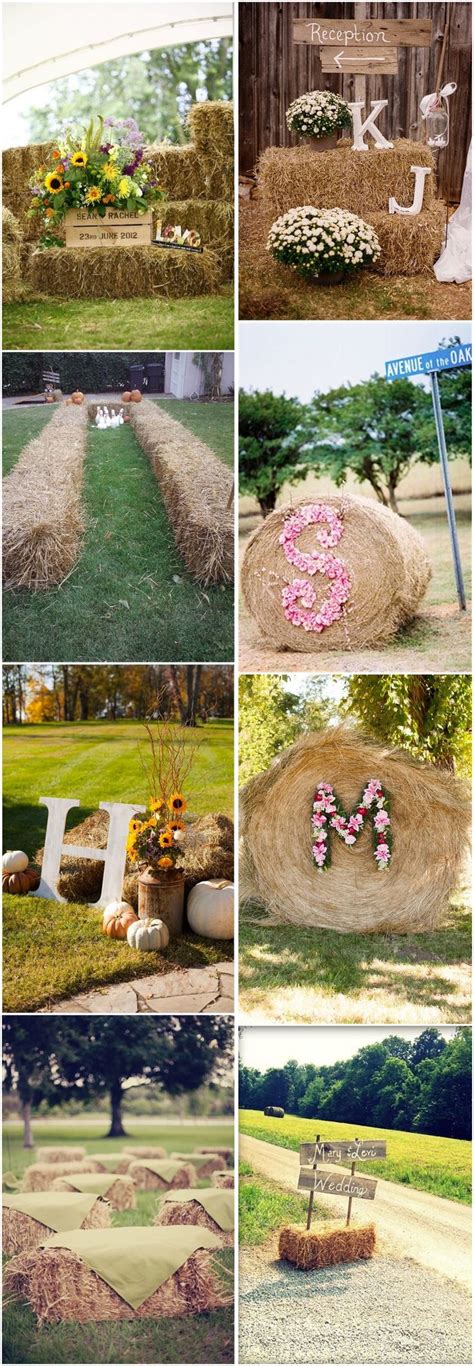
[[204, 324], [213, 423], [441, 1166], [264, 1207], [130, 596], [20, 425]]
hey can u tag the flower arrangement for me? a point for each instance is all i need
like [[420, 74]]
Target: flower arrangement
[[318, 114], [93, 169], [299, 597], [316, 241], [329, 814], [157, 840], [160, 839]]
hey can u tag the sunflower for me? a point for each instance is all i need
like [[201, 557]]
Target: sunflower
[[176, 826], [93, 194], [110, 171], [79, 159], [155, 803], [177, 803], [54, 183], [165, 840], [165, 862]]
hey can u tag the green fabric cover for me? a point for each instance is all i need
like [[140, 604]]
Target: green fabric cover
[[61, 1210], [166, 1169], [109, 1159], [135, 1261], [97, 1182], [196, 1159], [219, 1204]]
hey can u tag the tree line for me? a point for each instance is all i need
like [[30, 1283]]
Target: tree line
[[422, 1086], [84, 692]]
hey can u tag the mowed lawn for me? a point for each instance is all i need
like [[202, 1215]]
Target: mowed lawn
[[439, 1165], [53, 950], [213, 423], [205, 323], [130, 596], [195, 1339]]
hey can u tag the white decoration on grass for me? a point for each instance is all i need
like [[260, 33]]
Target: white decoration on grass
[[113, 857], [420, 173], [369, 125]]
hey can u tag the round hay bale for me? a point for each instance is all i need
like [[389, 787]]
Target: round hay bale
[[146, 1180], [146, 1152], [61, 1288], [60, 1154], [40, 1175], [191, 1212], [274, 1112], [430, 817], [371, 573], [120, 1194], [309, 1249], [21, 1232], [224, 1180]]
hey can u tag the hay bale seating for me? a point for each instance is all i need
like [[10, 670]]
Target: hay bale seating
[[197, 491], [119, 1191], [42, 508], [223, 1180], [309, 1250], [383, 555], [21, 1232], [123, 273], [40, 1175], [146, 1179], [430, 815], [146, 1152], [205, 1163], [65, 1154], [117, 1162], [190, 1210], [12, 241], [226, 1153]]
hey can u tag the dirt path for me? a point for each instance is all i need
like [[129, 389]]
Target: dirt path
[[434, 1232]]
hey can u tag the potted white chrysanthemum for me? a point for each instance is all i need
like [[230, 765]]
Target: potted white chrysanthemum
[[323, 245], [319, 117]]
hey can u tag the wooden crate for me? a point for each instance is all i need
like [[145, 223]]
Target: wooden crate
[[116, 229]]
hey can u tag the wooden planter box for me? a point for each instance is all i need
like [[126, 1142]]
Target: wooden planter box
[[116, 229]]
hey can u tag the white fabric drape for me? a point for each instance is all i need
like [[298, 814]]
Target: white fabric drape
[[455, 263]]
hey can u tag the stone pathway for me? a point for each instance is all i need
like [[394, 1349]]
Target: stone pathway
[[193, 991]]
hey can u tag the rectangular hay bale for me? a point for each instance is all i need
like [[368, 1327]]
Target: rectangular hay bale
[[309, 1250], [361, 182], [409, 246], [123, 273]]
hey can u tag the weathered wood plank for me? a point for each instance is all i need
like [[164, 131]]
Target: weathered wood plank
[[360, 61], [371, 32], [337, 1183], [116, 229], [346, 1150]]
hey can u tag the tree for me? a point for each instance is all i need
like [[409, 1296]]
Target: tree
[[26, 1053], [446, 1097], [396, 1094], [267, 721], [429, 1044], [427, 714], [269, 453]]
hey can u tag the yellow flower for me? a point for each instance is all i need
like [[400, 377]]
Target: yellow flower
[[110, 171], [79, 159], [165, 862], [177, 825], [125, 187], [177, 803], [166, 839], [135, 825], [155, 803], [54, 183], [93, 194]]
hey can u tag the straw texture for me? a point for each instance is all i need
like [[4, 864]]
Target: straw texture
[[21, 1232], [60, 1154], [309, 1250], [430, 822], [60, 1288], [123, 272], [42, 510], [342, 179], [146, 1152], [386, 561], [226, 1153], [145, 1180], [40, 1175], [213, 1164], [12, 241], [224, 1180], [120, 1194], [192, 1213], [409, 246], [196, 489]]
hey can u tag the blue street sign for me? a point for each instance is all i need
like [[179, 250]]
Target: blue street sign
[[430, 362]]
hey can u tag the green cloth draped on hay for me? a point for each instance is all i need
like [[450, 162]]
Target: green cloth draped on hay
[[165, 1170], [111, 1160], [135, 1261], [196, 1159], [95, 1184], [61, 1210], [218, 1204]]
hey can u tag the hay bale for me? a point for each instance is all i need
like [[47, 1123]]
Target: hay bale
[[310, 1250], [342, 179], [382, 554], [223, 1180], [61, 1288], [226, 1153], [123, 273], [21, 1232], [274, 1112], [430, 816], [147, 1152], [122, 1164], [66, 1154], [19, 163], [213, 1163], [146, 1180], [120, 1193], [40, 1175], [12, 240], [42, 508], [213, 859], [213, 219], [191, 1212], [196, 488], [409, 246], [212, 128], [181, 171]]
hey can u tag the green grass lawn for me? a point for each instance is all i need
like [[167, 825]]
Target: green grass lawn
[[197, 1339], [50, 949], [201, 324], [20, 425], [213, 423], [265, 1207], [130, 596], [439, 1165]]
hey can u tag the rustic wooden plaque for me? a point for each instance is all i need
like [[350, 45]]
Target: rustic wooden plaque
[[360, 61], [348, 1150], [336, 1183], [367, 33], [307, 1179], [117, 229]]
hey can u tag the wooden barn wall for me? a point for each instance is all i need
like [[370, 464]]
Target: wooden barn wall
[[273, 70]]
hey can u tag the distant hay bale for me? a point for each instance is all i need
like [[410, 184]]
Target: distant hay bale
[[43, 518], [197, 492], [119, 1195], [40, 1175], [224, 1180], [310, 1250], [65, 1154], [147, 1152], [213, 1163], [121, 1166], [146, 1180], [430, 816], [361, 182], [274, 1112], [21, 1232], [226, 1153], [191, 1212], [61, 1288], [124, 272], [383, 555]]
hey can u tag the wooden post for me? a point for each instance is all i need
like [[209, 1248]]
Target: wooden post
[[311, 1193], [349, 1203], [360, 82]]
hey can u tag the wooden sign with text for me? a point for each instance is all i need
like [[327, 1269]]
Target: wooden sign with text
[[116, 229], [348, 1150], [359, 61], [335, 1183], [366, 33]]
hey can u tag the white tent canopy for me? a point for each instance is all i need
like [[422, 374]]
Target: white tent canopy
[[43, 42]]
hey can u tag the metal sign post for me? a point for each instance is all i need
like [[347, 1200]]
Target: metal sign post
[[448, 493]]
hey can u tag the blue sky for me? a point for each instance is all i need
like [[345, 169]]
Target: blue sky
[[299, 358], [269, 1047]]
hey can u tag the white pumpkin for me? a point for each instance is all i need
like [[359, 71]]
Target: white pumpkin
[[148, 935], [14, 861], [210, 909]]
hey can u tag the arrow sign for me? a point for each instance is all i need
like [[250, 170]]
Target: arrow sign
[[359, 60]]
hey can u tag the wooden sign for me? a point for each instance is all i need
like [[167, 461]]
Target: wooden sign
[[116, 229], [347, 1150], [360, 61], [350, 1184], [307, 1179], [366, 33]]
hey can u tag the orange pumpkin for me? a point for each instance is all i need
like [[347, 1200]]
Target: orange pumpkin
[[20, 883], [126, 396], [116, 921], [136, 396], [77, 396]]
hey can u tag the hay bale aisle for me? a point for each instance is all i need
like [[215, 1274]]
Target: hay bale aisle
[[43, 518]]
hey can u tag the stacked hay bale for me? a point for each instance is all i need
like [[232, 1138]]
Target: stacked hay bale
[[23, 1230], [197, 492], [123, 273], [42, 506], [207, 1208], [362, 183], [430, 814], [310, 1250], [199, 179], [12, 239]]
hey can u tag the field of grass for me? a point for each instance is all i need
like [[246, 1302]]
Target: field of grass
[[197, 1339], [439, 1165], [264, 1207], [20, 425], [202, 324], [129, 597], [213, 423]]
